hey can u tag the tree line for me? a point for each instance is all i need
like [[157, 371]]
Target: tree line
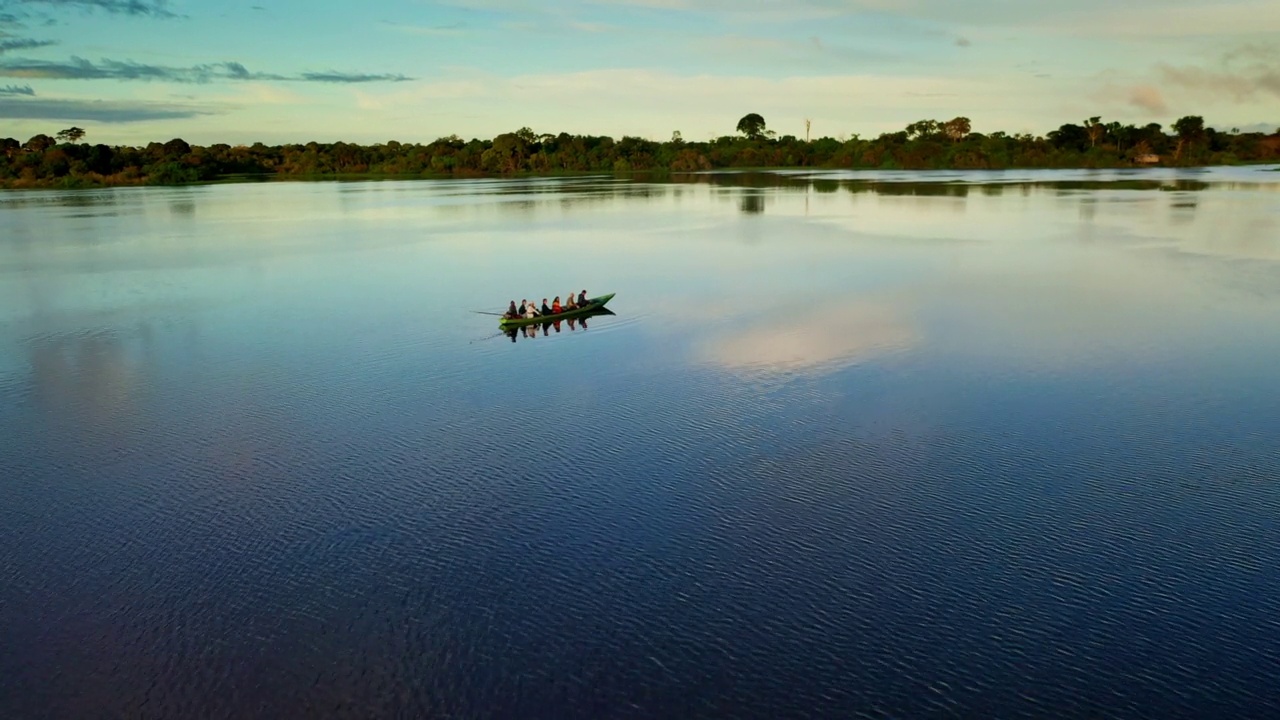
[[64, 161]]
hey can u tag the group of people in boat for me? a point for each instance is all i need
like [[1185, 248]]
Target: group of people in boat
[[527, 309]]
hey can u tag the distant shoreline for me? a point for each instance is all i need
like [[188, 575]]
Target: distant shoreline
[[45, 162]]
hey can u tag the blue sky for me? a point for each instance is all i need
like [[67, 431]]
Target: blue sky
[[413, 70]]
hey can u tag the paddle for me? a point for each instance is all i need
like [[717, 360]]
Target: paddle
[[489, 337], [482, 312]]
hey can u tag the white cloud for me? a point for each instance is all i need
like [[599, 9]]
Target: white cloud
[[1145, 18], [1168, 20], [1244, 79]]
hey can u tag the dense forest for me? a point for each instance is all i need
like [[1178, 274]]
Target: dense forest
[[65, 161]]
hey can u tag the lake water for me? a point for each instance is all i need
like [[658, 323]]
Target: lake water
[[852, 444]]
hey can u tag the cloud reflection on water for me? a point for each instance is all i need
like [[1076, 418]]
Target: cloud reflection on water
[[810, 338]]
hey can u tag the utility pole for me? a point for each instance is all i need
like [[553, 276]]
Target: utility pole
[[806, 129]]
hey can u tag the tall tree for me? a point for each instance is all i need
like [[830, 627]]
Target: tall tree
[[40, 143], [751, 125], [71, 135], [957, 128], [1190, 130], [922, 129], [1095, 129]]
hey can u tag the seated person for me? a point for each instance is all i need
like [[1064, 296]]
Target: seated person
[[555, 305], [511, 310], [545, 310], [582, 299]]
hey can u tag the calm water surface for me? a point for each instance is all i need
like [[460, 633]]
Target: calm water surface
[[852, 444]]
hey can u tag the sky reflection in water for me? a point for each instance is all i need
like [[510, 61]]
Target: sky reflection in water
[[995, 442]]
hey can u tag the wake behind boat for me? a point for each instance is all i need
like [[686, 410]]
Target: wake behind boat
[[593, 305]]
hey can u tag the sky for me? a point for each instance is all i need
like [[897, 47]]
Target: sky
[[136, 71]]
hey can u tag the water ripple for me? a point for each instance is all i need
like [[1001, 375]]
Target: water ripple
[[320, 500]]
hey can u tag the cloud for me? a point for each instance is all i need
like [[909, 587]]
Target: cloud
[[24, 44], [340, 77], [103, 111], [137, 8], [1247, 74], [80, 69], [1152, 19], [1139, 18], [1116, 93], [16, 90], [1238, 85], [1148, 97]]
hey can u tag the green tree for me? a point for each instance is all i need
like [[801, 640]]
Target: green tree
[[175, 148], [508, 152], [957, 128], [1190, 130], [1094, 128], [1070, 137], [40, 143], [922, 129], [71, 135], [752, 125]]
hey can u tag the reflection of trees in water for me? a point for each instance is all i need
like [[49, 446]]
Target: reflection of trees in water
[[1088, 208], [667, 186], [949, 187], [1182, 210], [88, 378], [76, 199]]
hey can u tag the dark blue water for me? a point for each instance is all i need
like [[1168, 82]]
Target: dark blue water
[[865, 444]]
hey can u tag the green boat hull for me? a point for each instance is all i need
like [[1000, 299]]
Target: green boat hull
[[593, 305]]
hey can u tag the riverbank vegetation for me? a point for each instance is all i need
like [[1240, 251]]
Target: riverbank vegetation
[[65, 161]]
